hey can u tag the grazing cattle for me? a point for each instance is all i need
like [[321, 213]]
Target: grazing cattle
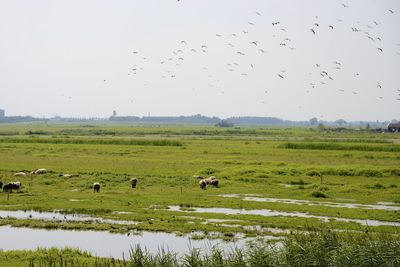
[[133, 182], [17, 185], [1, 184], [96, 187], [39, 171], [20, 174], [202, 184], [10, 186], [212, 180]]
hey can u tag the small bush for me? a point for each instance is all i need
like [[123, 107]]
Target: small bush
[[379, 186], [395, 172], [318, 194], [313, 173], [370, 173]]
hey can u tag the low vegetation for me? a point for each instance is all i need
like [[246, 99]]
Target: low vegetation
[[321, 248]]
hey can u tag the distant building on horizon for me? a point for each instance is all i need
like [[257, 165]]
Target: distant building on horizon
[[2, 113]]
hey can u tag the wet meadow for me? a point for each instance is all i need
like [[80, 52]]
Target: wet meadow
[[272, 181]]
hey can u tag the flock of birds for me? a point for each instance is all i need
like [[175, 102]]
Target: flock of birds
[[241, 47]]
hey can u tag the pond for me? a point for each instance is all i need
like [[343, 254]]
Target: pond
[[105, 244]]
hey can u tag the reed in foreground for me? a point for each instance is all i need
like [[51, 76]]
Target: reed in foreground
[[323, 248]]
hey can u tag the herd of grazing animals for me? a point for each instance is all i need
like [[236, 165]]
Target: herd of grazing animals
[[8, 187]]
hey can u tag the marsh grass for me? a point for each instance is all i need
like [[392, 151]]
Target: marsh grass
[[93, 141], [316, 248], [340, 146]]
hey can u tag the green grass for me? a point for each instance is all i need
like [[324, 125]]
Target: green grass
[[341, 146], [245, 161], [95, 141]]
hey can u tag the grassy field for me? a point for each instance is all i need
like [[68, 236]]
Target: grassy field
[[356, 166]]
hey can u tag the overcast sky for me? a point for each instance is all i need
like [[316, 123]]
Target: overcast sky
[[222, 58]]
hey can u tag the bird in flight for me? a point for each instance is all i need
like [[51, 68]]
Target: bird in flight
[[240, 53], [258, 13], [275, 23], [312, 30], [380, 49], [280, 76]]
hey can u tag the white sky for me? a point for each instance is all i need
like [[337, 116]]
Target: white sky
[[55, 56]]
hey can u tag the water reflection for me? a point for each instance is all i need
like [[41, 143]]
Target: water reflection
[[57, 216], [271, 213], [105, 244], [379, 206]]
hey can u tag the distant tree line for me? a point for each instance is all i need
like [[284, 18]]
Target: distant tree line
[[15, 119], [200, 119]]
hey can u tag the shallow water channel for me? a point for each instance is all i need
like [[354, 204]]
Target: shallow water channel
[[57, 216], [271, 213], [379, 206], [105, 244]]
